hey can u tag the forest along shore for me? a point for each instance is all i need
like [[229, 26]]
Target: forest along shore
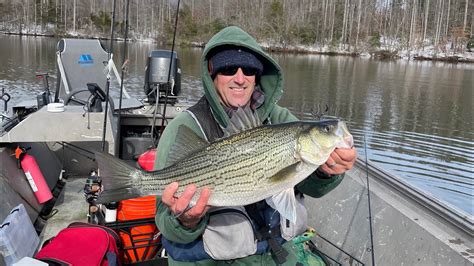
[[413, 30], [428, 55]]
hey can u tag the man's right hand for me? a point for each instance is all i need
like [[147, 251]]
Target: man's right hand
[[189, 218]]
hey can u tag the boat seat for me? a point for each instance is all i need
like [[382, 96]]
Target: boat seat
[[82, 61]]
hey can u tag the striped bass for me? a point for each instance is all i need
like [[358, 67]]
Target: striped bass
[[263, 162]]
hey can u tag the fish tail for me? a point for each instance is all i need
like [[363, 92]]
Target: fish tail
[[116, 177]]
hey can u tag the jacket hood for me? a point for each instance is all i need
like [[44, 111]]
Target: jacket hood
[[270, 82]]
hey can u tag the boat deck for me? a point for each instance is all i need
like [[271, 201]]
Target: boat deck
[[71, 207], [400, 225], [409, 227]]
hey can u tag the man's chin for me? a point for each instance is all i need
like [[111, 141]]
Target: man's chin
[[236, 104]]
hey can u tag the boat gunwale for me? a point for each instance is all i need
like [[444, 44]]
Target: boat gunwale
[[425, 201]]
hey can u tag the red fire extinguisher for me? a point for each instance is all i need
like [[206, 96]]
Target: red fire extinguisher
[[33, 174]]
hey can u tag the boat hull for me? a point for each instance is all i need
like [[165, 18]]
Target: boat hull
[[409, 227]]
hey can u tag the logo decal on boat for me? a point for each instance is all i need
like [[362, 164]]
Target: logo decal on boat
[[85, 59]]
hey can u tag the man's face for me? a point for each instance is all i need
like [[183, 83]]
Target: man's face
[[234, 90]]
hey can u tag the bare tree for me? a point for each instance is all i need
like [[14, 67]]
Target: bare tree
[[425, 22], [465, 16], [359, 13], [447, 19], [351, 24]]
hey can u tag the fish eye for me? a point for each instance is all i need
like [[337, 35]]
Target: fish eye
[[326, 129]]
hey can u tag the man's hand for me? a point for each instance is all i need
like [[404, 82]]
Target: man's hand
[[178, 205], [339, 161]]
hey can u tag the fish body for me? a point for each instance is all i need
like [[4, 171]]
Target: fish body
[[240, 169]]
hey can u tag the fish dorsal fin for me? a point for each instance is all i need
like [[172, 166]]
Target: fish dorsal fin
[[242, 119], [186, 142]]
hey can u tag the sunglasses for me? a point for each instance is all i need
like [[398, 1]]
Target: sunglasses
[[230, 71]]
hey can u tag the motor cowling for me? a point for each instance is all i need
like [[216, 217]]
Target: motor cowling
[[157, 81]]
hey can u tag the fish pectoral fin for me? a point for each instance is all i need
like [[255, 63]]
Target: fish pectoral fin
[[285, 203], [293, 173], [186, 142], [287, 172]]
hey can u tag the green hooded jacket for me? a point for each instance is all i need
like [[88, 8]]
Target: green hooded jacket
[[271, 83]]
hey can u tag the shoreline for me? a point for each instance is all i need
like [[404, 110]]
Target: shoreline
[[380, 54], [377, 54]]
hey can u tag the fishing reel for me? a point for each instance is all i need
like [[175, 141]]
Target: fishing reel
[[91, 192]]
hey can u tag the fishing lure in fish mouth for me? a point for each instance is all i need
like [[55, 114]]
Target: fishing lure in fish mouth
[[251, 163]]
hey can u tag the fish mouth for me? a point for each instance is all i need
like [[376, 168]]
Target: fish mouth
[[347, 138]]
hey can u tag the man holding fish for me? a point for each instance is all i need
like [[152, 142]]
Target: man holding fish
[[241, 80]]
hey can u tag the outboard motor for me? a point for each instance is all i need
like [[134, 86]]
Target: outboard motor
[[156, 76]]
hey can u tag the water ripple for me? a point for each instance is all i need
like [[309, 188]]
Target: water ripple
[[415, 117]]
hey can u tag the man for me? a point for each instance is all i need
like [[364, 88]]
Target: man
[[235, 72]]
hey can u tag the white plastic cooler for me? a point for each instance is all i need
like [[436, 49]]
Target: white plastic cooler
[[18, 237]]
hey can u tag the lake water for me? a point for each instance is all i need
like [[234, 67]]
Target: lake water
[[415, 116]]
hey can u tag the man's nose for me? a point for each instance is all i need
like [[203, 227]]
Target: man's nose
[[239, 76]]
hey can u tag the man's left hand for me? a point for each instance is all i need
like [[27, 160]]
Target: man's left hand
[[339, 161]]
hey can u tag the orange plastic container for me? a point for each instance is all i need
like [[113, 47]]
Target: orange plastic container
[[140, 243]]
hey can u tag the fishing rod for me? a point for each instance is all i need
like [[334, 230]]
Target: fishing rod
[[107, 85], [340, 249], [73, 148], [314, 249], [372, 251], [163, 116], [124, 60], [320, 114]]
